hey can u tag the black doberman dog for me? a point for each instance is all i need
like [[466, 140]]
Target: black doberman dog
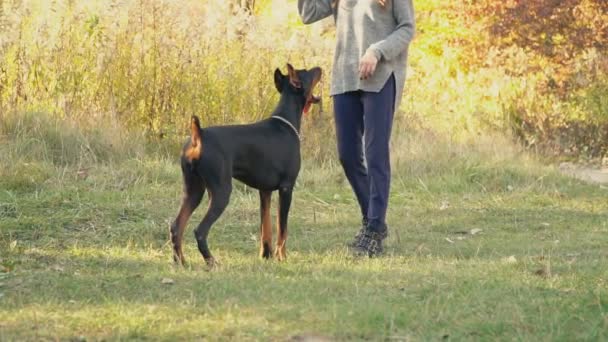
[[264, 155]]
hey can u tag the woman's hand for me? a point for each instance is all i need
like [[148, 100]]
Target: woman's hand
[[367, 65]]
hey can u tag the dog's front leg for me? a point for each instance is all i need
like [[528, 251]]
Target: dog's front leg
[[284, 204], [265, 225]]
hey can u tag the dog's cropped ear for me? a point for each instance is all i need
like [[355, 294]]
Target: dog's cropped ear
[[294, 80], [278, 80]]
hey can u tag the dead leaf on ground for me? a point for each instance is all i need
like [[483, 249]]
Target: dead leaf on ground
[[82, 173], [475, 231], [510, 259], [167, 281]]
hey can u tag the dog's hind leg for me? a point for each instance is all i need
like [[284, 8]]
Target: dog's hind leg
[[193, 193], [265, 225], [219, 196], [284, 204]]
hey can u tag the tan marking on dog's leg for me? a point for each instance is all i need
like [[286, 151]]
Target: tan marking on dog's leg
[[285, 195], [265, 225]]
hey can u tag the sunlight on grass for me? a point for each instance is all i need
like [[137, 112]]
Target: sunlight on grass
[[117, 292], [487, 242]]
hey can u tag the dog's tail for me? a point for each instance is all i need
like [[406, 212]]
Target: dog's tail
[[196, 142], [195, 135]]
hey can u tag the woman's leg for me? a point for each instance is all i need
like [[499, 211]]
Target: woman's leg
[[378, 116], [348, 110]]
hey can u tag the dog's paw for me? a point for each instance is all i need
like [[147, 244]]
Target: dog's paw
[[265, 251], [179, 260], [212, 263], [280, 254]]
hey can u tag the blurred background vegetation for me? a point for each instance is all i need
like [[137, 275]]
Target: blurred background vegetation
[[101, 80]]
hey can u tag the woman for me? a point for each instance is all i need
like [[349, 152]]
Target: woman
[[368, 76]]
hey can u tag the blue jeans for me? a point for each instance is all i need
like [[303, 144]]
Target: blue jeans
[[363, 129]]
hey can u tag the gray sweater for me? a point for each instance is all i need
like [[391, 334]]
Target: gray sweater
[[363, 25]]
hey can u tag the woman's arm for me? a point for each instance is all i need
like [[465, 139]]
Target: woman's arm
[[396, 42], [314, 10]]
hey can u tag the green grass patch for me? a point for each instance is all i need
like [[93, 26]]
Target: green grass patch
[[84, 255]]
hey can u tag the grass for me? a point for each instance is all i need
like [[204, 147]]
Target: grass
[[85, 203], [84, 251]]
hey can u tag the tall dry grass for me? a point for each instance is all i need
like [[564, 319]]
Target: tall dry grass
[[143, 68], [148, 65]]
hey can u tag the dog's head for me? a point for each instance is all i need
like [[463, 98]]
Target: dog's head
[[299, 82]]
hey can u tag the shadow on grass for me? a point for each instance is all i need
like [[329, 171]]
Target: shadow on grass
[[118, 292]]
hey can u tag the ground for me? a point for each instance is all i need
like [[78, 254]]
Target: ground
[[598, 175], [483, 251]]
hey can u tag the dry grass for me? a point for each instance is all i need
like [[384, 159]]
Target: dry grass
[[84, 252], [87, 188]]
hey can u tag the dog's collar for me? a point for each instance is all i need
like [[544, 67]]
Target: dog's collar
[[293, 128]]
